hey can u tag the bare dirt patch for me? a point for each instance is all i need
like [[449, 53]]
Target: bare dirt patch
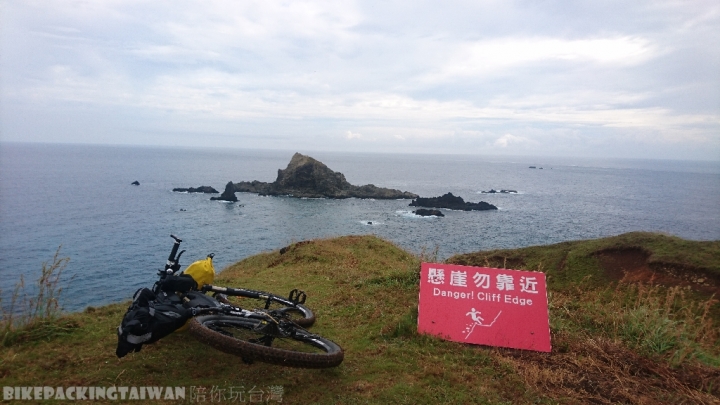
[[633, 265]]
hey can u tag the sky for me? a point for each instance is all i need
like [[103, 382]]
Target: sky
[[578, 78]]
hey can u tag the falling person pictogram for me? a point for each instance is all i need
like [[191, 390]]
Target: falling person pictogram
[[477, 321]]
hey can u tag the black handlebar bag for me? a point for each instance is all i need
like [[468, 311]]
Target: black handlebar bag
[[148, 319]]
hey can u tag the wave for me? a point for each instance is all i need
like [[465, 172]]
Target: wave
[[410, 214], [371, 223], [500, 192]]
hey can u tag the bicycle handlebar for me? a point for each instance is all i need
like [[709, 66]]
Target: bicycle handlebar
[[172, 263], [175, 247]]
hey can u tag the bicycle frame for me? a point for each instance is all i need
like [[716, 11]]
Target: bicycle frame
[[172, 266], [273, 335]]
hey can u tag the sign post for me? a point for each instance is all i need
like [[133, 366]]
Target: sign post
[[482, 305]]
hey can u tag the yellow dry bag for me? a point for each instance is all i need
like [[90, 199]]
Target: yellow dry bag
[[202, 271]]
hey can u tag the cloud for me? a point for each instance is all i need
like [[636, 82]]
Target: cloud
[[495, 56], [509, 139], [503, 74]]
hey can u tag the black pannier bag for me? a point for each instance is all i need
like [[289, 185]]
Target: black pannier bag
[[182, 283], [196, 299], [148, 319]]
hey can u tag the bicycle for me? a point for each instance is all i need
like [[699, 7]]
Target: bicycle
[[263, 334], [292, 306]]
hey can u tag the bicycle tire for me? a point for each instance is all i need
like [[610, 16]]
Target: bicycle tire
[[233, 335], [298, 313]]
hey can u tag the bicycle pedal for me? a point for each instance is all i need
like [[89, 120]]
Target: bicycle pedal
[[297, 296], [265, 340]]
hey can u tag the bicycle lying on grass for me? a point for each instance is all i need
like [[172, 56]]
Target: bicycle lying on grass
[[273, 333]]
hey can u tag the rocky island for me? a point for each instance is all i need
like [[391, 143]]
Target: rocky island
[[305, 177], [451, 202]]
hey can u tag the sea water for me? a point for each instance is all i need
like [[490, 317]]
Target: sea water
[[116, 235]]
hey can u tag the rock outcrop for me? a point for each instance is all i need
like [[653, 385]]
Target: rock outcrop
[[493, 191], [452, 202], [306, 177], [201, 189], [228, 194], [428, 213]]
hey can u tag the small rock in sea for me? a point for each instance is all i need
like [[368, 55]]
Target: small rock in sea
[[135, 183], [427, 213], [369, 222], [228, 194], [452, 202], [201, 189]]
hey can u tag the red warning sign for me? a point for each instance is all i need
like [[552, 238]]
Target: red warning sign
[[481, 305]]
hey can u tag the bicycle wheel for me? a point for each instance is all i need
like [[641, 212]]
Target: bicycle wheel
[[258, 300], [240, 336]]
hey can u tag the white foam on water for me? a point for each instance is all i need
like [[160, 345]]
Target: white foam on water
[[410, 214], [371, 223]]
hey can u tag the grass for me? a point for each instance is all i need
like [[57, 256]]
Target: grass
[[614, 340], [35, 314], [610, 287], [668, 323]]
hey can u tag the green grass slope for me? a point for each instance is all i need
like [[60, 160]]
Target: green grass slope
[[632, 319]]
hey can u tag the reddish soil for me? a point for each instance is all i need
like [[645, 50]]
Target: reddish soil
[[632, 265]]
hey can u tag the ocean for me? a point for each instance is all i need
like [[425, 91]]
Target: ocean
[[116, 235]]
